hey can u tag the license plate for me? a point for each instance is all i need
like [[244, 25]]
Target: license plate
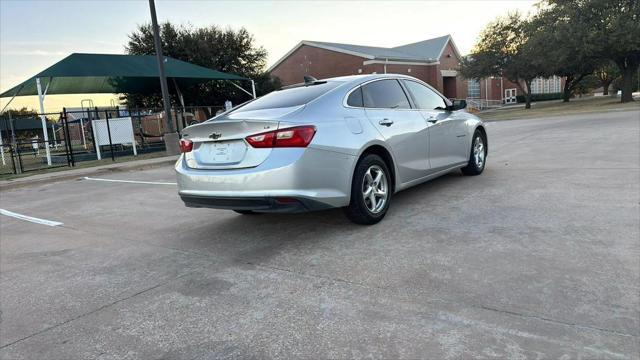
[[221, 152]]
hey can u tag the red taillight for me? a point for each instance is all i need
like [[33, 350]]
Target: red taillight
[[299, 136], [186, 145]]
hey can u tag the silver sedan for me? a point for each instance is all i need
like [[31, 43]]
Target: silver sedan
[[348, 142]]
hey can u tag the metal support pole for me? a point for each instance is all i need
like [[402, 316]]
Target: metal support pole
[[67, 136], [106, 113], [96, 141], [53, 132], [2, 150], [84, 139], [2, 146], [253, 88], [486, 91], [171, 136], [14, 145], [13, 97], [245, 91], [66, 143], [43, 119]]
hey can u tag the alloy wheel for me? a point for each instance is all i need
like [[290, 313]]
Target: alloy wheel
[[375, 190], [478, 152]]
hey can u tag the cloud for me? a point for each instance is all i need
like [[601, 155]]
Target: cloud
[[34, 53]]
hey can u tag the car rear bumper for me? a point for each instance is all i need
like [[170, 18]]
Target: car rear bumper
[[314, 178], [258, 204]]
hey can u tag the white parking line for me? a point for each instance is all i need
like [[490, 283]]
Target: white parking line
[[29, 218], [131, 181]]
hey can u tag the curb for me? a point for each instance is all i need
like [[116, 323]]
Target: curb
[[80, 173]]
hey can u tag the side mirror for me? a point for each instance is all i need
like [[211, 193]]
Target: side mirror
[[458, 104]]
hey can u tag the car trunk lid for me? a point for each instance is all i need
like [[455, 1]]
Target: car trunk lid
[[221, 144]]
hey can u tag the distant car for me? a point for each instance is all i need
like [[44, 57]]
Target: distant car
[[347, 142]]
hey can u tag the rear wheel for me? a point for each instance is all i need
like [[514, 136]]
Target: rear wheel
[[370, 191], [478, 155]]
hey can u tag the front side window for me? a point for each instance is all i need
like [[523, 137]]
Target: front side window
[[385, 94], [425, 98]]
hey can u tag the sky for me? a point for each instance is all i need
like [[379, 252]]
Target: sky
[[36, 34]]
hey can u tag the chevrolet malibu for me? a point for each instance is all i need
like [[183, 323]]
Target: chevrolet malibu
[[349, 142]]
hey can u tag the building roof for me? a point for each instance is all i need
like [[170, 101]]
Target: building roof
[[372, 51], [426, 51], [431, 48], [113, 73], [22, 123]]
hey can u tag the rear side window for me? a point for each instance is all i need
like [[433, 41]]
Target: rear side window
[[289, 97], [385, 94], [425, 98], [355, 98]]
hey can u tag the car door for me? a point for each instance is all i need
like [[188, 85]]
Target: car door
[[388, 109], [446, 130]]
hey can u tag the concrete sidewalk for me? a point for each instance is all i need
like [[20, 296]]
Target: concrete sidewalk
[[79, 173]]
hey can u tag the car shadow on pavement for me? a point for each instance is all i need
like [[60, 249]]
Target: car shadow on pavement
[[263, 238]]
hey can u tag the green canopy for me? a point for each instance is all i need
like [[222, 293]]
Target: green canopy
[[110, 73]]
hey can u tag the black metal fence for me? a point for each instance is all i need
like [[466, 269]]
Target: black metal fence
[[94, 134]]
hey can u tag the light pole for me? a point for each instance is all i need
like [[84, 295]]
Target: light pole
[[171, 137]]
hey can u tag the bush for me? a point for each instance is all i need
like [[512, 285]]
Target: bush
[[540, 97]]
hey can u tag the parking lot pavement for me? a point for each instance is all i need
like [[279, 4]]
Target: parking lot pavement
[[539, 257]]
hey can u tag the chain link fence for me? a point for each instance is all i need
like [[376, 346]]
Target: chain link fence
[[80, 135]]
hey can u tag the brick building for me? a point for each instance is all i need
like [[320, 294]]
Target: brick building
[[434, 61]]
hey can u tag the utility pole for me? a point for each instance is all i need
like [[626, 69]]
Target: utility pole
[[171, 137]]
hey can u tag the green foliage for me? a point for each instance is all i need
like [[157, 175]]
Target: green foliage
[[563, 41], [504, 49], [607, 73], [227, 50], [19, 113], [540, 97], [586, 85], [597, 30], [569, 38]]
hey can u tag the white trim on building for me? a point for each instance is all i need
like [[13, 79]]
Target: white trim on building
[[546, 85]]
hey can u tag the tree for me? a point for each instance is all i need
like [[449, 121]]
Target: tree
[[228, 50], [586, 85], [562, 42], [609, 30], [504, 49], [607, 73]]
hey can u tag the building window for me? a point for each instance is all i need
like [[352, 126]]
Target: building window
[[473, 88], [545, 86]]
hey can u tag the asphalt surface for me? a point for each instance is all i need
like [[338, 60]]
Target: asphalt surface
[[539, 257]]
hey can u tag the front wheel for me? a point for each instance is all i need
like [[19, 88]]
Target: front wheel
[[370, 191], [478, 155]]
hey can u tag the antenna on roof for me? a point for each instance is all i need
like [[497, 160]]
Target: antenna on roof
[[309, 80]]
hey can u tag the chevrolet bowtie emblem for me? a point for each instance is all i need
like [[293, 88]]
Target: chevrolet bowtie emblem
[[215, 135]]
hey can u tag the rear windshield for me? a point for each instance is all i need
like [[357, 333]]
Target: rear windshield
[[289, 97]]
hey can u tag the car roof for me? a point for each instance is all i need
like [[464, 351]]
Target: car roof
[[365, 77]]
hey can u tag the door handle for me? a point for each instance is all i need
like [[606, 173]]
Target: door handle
[[385, 122], [432, 119]]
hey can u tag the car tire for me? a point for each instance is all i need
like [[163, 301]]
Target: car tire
[[368, 209], [246, 212], [477, 155]]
